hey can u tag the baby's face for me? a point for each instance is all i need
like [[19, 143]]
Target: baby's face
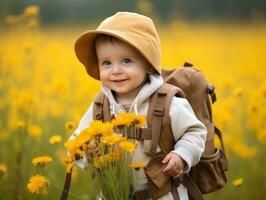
[[122, 68]]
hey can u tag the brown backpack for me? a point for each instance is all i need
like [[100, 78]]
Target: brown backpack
[[209, 174]]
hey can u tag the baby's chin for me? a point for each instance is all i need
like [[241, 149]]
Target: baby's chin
[[121, 92], [124, 92]]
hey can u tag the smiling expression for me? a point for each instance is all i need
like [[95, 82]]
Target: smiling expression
[[122, 68]]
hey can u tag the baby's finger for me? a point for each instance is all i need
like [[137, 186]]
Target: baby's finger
[[170, 165], [178, 174], [167, 158], [167, 168], [172, 172]]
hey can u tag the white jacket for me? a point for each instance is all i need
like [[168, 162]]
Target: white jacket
[[189, 133]]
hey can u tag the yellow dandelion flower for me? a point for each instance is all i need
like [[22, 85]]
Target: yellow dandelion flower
[[113, 139], [31, 11], [68, 162], [101, 128], [121, 123], [70, 125], [84, 137], [107, 128], [136, 165], [127, 146], [128, 117], [34, 131], [38, 184], [140, 120], [96, 124], [41, 160], [132, 119], [74, 149], [55, 139], [238, 182], [3, 169], [70, 144]]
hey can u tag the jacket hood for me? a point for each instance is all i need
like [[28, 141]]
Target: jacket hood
[[146, 91]]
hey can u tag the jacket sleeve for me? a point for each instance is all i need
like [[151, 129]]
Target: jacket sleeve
[[189, 133], [84, 123]]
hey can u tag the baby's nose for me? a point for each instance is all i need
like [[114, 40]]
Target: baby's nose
[[116, 69]]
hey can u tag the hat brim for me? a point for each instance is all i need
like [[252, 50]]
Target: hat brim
[[85, 50]]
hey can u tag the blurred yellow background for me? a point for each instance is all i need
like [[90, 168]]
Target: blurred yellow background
[[44, 91]]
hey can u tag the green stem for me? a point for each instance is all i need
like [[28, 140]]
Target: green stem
[[70, 193], [18, 166]]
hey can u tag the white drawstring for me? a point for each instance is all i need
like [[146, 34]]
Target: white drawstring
[[113, 109], [136, 109]]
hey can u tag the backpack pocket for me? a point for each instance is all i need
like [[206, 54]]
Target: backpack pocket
[[209, 173], [154, 170]]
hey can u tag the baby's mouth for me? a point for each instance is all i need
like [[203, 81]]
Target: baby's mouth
[[119, 80]]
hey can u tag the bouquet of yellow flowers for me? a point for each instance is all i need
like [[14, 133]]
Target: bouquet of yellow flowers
[[111, 163]]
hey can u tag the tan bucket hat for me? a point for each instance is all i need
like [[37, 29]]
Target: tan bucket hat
[[132, 28]]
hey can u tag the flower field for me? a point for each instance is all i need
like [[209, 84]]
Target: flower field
[[44, 92]]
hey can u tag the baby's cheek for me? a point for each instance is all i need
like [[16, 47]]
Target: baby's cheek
[[103, 76]]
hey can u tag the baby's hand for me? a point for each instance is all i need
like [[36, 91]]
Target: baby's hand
[[174, 165], [93, 150]]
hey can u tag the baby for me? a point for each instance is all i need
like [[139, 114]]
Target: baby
[[124, 54]]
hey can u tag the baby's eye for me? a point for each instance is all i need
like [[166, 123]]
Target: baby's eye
[[127, 60], [106, 62]]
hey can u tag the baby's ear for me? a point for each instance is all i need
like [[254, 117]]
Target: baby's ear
[[150, 70]]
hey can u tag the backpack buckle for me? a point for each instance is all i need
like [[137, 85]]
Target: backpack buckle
[[98, 103], [210, 89], [98, 116], [188, 64], [160, 94], [138, 133], [158, 110]]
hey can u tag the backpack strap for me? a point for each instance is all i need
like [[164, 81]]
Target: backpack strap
[[175, 192], [140, 133], [101, 111], [211, 92], [224, 161], [193, 190], [159, 105], [66, 189], [101, 108]]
